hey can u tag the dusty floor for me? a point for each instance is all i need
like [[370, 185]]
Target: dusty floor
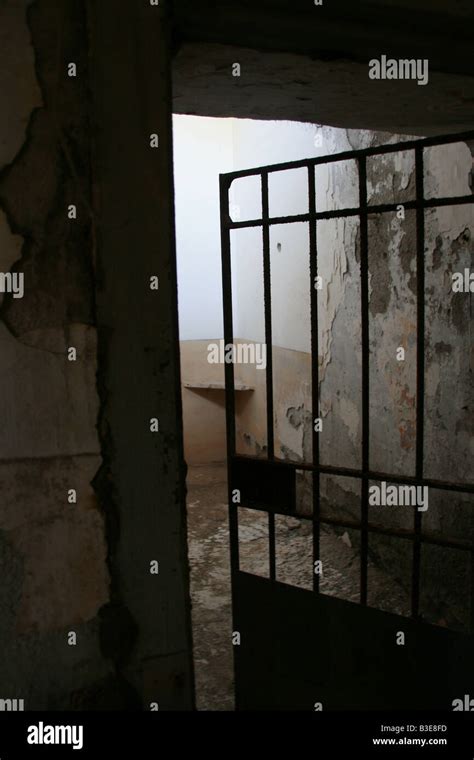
[[210, 574], [208, 546]]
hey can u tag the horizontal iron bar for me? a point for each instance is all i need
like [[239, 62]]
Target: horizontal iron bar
[[433, 539], [427, 142], [423, 538], [348, 472], [381, 208]]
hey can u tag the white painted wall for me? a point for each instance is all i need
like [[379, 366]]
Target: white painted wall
[[205, 147], [258, 143], [202, 150]]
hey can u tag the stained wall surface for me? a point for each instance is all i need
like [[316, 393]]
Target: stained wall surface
[[89, 497]]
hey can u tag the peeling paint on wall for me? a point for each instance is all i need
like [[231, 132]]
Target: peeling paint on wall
[[53, 552]]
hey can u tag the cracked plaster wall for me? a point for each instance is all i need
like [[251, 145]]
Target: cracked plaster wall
[[85, 567], [53, 553]]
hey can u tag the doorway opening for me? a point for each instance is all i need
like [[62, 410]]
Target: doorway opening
[[287, 428]]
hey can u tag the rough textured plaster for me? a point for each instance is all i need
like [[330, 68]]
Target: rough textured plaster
[[52, 552], [18, 82]]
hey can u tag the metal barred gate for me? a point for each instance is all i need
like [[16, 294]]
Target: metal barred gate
[[300, 648]]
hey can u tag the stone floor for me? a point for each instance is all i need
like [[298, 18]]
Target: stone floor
[[210, 574], [208, 546]]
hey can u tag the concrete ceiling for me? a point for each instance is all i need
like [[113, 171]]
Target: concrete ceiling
[[310, 63]]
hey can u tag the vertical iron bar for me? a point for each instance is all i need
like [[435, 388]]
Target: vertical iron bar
[[271, 541], [268, 315], [364, 275], [313, 268], [228, 368], [420, 368], [471, 595]]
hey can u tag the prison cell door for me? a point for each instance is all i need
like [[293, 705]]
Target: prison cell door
[[300, 648]]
